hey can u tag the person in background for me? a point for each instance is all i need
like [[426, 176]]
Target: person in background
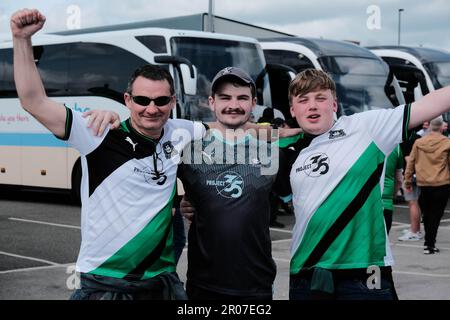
[[393, 173], [445, 129], [429, 159], [412, 195], [267, 117]]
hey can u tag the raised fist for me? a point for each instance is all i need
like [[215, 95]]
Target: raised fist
[[26, 22]]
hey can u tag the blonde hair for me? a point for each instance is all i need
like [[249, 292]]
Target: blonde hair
[[310, 80]]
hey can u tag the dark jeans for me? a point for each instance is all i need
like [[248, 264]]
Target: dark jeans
[[197, 293], [432, 203], [345, 288], [165, 286]]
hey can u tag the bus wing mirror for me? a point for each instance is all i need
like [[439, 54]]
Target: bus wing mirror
[[292, 75], [186, 69], [280, 67], [189, 82], [176, 60]]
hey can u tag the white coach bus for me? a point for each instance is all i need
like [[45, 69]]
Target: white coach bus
[[363, 80], [90, 71], [419, 70]]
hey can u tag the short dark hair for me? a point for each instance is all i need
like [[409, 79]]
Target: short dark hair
[[235, 81], [151, 72]]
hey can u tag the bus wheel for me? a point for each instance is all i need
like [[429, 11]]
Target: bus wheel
[[75, 193]]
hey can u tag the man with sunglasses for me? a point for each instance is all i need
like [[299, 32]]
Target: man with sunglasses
[[129, 177]]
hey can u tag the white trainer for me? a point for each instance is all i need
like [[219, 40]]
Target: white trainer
[[410, 236]]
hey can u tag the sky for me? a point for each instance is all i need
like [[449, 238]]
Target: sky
[[423, 23]]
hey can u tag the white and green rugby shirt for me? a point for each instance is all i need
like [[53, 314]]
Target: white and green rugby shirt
[[337, 193], [127, 188]]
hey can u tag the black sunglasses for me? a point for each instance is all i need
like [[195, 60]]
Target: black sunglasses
[[145, 101]]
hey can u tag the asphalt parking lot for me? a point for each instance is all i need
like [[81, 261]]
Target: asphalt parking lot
[[40, 238]]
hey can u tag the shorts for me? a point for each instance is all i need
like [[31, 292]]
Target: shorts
[[413, 195]]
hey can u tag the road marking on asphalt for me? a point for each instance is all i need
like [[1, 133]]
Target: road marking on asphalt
[[399, 226], [406, 207], [394, 271], [29, 258], [282, 260], [36, 268], [403, 225], [46, 223], [415, 246], [423, 274]]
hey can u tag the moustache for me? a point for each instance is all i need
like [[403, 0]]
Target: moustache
[[235, 111]]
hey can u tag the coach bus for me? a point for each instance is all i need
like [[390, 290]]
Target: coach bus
[[419, 70], [90, 71], [363, 80]]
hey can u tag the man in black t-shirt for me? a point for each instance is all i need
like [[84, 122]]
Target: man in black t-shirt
[[228, 178]]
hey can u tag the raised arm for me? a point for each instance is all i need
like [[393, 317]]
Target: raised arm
[[24, 24], [429, 107]]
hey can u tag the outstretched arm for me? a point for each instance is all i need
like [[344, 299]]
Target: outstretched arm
[[24, 24], [429, 107], [266, 132]]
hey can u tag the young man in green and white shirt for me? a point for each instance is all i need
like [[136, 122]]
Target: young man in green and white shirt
[[339, 235]]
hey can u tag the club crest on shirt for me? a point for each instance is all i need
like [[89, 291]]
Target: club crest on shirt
[[337, 134], [151, 176], [228, 184], [315, 165], [169, 149]]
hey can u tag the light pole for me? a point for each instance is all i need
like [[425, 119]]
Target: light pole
[[211, 16], [399, 23]]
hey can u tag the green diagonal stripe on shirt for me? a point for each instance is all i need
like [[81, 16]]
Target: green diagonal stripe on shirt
[[363, 242], [131, 254], [286, 141], [327, 214]]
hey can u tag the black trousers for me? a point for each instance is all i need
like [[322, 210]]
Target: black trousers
[[432, 202]]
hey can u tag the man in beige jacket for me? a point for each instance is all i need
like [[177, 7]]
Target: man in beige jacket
[[429, 159]]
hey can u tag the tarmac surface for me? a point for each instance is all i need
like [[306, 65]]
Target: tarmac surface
[[40, 239]]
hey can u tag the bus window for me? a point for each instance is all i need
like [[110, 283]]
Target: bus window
[[292, 59], [7, 86], [279, 79], [209, 56], [52, 62], [360, 83], [100, 70], [352, 65], [439, 73], [410, 78], [155, 43]]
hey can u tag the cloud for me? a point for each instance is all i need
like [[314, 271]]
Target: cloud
[[422, 22]]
